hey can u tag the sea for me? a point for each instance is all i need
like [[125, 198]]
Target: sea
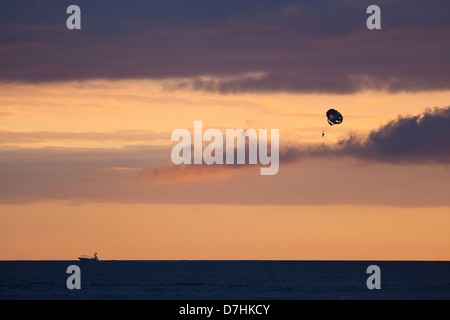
[[225, 280]]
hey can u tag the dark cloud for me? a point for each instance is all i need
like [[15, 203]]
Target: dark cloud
[[301, 46], [413, 139]]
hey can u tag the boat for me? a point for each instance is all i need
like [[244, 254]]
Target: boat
[[87, 258]]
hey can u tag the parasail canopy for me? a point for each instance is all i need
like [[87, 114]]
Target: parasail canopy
[[334, 117]]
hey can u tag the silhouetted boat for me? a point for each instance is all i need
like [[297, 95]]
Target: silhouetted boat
[[87, 258]]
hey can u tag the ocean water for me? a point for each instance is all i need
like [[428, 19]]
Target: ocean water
[[225, 280]]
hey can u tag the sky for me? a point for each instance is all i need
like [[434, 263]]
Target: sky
[[86, 118]]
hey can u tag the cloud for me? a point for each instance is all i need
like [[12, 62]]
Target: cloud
[[80, 175], [5, 114], [56, 173], [418, 139], [415, 139], [299, 46], [170, 173], [401, 158], [127, 136]]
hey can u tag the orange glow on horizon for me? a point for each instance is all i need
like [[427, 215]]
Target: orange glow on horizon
[[60, 231]]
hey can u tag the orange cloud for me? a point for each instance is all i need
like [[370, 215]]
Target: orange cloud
[[170, 173]]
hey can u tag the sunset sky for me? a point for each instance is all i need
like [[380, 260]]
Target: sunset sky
[[86, 118]]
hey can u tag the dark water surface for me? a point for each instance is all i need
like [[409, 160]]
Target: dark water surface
[[224, 280]]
